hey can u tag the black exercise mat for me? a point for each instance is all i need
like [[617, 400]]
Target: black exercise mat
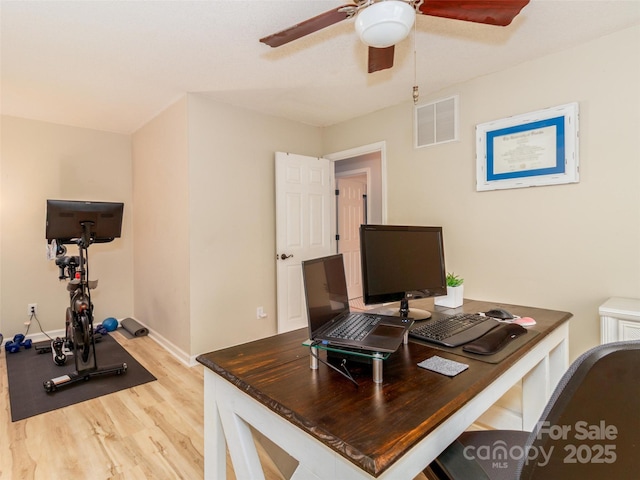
[[28, 369]]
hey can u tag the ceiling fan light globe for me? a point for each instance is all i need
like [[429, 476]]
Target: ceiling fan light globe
[[385, 23]]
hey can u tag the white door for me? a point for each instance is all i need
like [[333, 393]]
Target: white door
[[304, 201], [351, 198]]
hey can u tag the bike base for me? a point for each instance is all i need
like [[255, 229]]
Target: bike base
[[75, 377]]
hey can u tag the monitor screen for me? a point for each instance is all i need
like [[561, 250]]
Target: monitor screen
[[401, 262], [65, 219]]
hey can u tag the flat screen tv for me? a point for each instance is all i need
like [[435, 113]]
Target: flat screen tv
[[94, 222], [402, 262]]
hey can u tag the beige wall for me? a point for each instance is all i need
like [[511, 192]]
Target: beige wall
[[40, 161], [567, 247], [205, 222], [232, 218], [161, 228]]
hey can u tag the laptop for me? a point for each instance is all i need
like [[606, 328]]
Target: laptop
[[331, 321]]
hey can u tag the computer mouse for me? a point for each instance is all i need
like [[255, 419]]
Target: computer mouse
[[525, 321], [500, 313]]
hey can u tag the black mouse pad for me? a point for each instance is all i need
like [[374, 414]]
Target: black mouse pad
[[514, 345]]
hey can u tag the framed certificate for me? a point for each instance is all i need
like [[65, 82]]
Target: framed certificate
[[533, 149]]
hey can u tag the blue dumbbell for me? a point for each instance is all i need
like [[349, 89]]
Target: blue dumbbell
[[13, 346], [101, 329]]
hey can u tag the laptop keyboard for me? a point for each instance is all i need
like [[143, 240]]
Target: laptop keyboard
[[453, 330], [355, 328]]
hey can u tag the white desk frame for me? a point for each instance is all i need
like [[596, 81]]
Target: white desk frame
[[229, 412]]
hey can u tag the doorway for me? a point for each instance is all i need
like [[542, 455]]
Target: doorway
[[297, 199], [351, 212], [362, 173]]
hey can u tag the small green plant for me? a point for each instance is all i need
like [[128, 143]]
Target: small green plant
[[454, 280]]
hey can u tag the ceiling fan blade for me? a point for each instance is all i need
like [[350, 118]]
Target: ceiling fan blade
[[380, 58], [309, 26], [491, 12]]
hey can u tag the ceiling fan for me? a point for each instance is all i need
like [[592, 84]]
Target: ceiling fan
[[383, 23]]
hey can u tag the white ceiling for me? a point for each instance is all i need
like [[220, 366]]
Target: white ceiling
[[114, 65]]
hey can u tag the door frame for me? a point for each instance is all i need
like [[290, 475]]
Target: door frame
[[357, 173], [306, 242], [380, 147]]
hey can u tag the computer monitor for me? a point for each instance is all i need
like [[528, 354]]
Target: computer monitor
[[91, 222], [402, 262]]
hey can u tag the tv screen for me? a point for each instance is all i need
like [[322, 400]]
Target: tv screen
[[65, 219], [400, 262]]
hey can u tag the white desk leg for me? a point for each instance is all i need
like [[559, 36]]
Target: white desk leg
[[539, 383], [238, 411], [215, 447], [301, 473], [558, 361], [535, 392], [242, 447]]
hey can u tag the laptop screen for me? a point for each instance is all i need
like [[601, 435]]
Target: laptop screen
[[325, 290]]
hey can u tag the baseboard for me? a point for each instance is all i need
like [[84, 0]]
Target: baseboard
[[39, 337], [180, 355], [169, 346]]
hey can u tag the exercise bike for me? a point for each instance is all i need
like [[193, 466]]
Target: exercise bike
[[80, 336]]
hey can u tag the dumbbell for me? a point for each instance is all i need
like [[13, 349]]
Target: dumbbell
[[19, 339], [101, 329], [13, 346]]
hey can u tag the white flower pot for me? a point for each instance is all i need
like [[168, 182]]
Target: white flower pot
[[454, 297]]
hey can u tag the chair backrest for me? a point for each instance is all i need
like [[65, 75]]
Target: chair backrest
[[591, 426]]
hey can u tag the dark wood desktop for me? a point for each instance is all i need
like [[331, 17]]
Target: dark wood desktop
[[375, 425]]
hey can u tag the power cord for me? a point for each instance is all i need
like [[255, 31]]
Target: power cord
[[33, 315], [343, 364]]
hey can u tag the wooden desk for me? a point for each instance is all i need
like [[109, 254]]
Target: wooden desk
[[390, 430]]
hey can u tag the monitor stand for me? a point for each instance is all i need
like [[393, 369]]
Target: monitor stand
[[404, 311]]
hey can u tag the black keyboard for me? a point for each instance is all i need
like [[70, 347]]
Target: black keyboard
[[355, 327], [453, 330]]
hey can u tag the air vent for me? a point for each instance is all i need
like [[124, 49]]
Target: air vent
[[436, 122]]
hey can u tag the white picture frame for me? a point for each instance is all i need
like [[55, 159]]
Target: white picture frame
[[528, 150]]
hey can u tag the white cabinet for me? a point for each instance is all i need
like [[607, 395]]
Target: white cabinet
[[620, 320]]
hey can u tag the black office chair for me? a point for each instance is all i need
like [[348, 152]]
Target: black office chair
[[590, 429]]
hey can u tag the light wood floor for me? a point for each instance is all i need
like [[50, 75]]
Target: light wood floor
[[150, 431], [153, 431]]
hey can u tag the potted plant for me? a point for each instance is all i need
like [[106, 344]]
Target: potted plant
[[455, 292]]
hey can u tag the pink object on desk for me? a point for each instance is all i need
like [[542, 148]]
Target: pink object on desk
[[524, 321]]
